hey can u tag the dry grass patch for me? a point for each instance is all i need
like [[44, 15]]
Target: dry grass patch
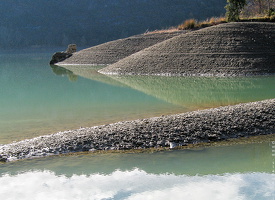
[[188, 24], [259, 18], [170, 30], [192, 23]]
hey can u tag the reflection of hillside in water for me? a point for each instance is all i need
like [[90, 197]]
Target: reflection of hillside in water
[[203, 91], [192, 92], [60, 71], [90, 72]]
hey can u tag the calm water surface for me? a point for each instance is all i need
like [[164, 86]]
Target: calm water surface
[[38, 99], [228, 172]]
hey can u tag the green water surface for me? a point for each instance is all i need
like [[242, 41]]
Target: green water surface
[[238, 158], [38, 99]]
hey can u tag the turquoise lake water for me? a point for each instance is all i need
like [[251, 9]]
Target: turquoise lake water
[[38, 99], [226, 172]]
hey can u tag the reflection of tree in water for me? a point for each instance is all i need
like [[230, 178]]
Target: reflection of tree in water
[[60, 71]]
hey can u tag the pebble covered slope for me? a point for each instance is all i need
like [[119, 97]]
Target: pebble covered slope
[[111, 52], [215, 124], [230, 49]]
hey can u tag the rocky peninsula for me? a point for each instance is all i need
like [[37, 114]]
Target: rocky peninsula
[[230, 49], [217, 124], [113, 51]]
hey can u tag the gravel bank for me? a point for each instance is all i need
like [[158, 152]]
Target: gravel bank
[[230, 49], [216, 124], [111, 52]]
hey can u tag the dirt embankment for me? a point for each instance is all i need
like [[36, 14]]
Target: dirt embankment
[[168, 131], [113, 51], [230, 49]]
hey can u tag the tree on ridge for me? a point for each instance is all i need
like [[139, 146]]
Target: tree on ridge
[[233, 9]]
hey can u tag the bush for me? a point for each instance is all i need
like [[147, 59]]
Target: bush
[[270, 12]]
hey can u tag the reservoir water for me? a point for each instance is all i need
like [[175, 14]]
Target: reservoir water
[[37, 99]]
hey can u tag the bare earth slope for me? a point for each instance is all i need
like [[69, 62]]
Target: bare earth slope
[[230, 49], [113, 51]]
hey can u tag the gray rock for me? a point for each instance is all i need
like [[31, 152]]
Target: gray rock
[[71, 49], [3, 158], [173, 145], [61, 56]]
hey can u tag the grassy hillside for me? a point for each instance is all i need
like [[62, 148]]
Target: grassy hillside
[[90, 22]]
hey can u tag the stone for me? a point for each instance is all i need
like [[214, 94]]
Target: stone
[[71, 49], [3, 158], [61, 56], [173, 145]]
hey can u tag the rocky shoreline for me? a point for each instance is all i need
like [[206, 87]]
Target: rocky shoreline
[[217, 124]]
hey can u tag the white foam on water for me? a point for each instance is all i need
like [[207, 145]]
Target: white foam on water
[[136, 185]]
